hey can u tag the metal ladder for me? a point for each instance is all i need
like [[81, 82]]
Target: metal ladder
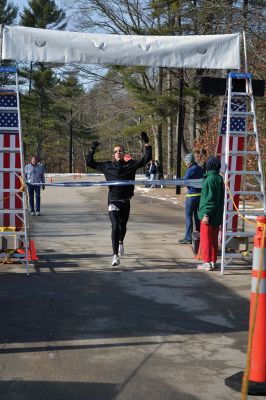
[[13, 201], [250, 182]]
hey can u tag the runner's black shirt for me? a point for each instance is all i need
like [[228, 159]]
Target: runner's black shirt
[[118, 171]]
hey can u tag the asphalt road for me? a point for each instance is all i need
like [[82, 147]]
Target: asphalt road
[[153, 328]]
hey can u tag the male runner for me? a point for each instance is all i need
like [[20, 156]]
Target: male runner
[[119, 196]]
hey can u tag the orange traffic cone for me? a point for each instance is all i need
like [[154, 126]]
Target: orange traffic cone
[[32, 256], [257, 321], [32, 251], [258, 352]]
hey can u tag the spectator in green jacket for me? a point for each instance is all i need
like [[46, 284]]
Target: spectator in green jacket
[[211, 213]]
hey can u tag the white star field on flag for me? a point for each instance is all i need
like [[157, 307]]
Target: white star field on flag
[[238, 124], [8, 119]]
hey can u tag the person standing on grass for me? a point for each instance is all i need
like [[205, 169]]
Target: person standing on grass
[[119, 196], [211, 213]]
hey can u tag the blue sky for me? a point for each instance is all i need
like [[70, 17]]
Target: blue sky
[[20, 3]]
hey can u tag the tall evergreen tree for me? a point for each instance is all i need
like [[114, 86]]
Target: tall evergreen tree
[[66, 109], [8, 12], [43, 14], [8, 15], [40, 14]]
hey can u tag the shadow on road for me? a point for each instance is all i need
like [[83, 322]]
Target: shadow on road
[[67, 305]]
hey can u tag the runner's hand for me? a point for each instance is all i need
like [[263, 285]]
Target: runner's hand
[[144, 137], [94, 145]]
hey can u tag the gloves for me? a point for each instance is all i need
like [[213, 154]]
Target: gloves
[[94, 145], [144, 137]]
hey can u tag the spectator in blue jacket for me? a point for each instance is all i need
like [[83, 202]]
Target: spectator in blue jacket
[[34, 172], [194, 171]]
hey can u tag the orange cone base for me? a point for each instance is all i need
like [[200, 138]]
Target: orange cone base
[[32, 256], [255, 388], [32, 251]]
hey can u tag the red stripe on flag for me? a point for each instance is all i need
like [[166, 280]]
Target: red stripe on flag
[[6, 180], [18, 198], [17, 142]]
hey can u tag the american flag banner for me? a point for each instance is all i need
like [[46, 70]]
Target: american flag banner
[[10, 164], [236, 143]]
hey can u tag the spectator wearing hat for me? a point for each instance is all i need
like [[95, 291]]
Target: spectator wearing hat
[[194, 171], [211, 213]]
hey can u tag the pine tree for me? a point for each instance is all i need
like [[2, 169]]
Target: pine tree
[[8, 12], [43, 14], [68, 93], [40, 14]]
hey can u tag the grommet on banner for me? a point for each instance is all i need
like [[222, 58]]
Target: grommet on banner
[[253, 380]]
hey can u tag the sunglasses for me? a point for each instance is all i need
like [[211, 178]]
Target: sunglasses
[[118, 151]]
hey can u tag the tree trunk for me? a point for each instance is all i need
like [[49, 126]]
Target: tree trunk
[[180, 127], [157, 130], [170, 147], [192, 121], [158, 151], [71, 143], [170, 135]]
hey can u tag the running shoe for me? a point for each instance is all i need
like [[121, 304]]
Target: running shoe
[[115, 261], [213, 264], [32, 213], [205, 267], [38, 213], [121, 250], [184, 241]]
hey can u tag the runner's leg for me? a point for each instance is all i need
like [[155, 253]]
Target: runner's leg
[[115, 230], [123, 218]]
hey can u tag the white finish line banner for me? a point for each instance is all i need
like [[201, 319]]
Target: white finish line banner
[[160, 182], [196, 51]]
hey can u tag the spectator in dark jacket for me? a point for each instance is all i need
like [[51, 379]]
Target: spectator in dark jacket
[[34, 173], [119, 196], [153, 171], [194, 171]]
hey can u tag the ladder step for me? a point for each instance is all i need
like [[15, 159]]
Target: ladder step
[[18, 211], [9, 129], [16, 233], [8, 70], [10, 169], [241, 113], [240, 234], [9, 150], [10, 89], [244, 173], [242, 94], [10, 190], [242, 153], [246, 212], [8, 109], [246, 192], [240, 75], [242, 133], [15, 255], [235, 255]]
